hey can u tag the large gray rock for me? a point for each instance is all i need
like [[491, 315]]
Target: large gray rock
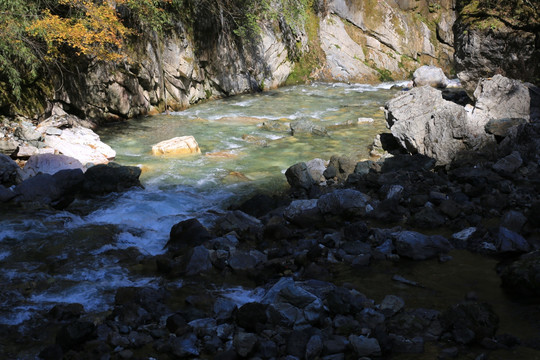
[[423, 122], [103, 179], [299, 177], [10, 173], [430, 75], [501, 98], [347, 202], [364, 346], [419, 246], [5, 194], [45, 189]]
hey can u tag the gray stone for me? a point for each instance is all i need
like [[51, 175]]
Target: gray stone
[[314, 347], [204, 327], [10, 173], [307, 127], [5, 194], [238, 221], [420, 247], [303, 212], [509, 164], [423, 122], [513, 220], [431, 76], [223, 309], [502, 127], [241, 261], [8, 146], [298, 176], [316, 168], [391, 305], [510, 241], [49, 164], [401, 344], [27, 132], [364, 346], [185, 346], [244, 343], [346, 201], [199, 261]]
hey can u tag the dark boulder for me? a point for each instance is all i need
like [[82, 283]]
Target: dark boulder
[[522, 277], [470, 322], [187, 234], [75, 334], [103, 179], [9, 171]]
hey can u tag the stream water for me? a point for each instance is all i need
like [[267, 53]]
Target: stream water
[[75, 256]]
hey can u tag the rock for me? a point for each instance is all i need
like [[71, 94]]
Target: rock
[[6, 194], [314, 347], [391, 305], [460, 239], [244, 225], [501, 98], [42, 189], [364, 346], [470, 322], [340, 167], [508, 164], [503, 126], [177, 146], [177, 324], [27, 132], [299, 177], [242, 262], [297, 343], [244, 343], [107, 178], [420, 247], [347, 202], [370, 318], [307, 127], [521, 278], [251, 315], [186, 234], [49, 164], [10, 173], [513, 220], [26, 151], [276, 125], [184, 346], [303, 212], [75, 334], [316, 168], [199, 261], [8, 146], [82, 144], [423, 122], [509, 241], [427, 218], [431, 76]]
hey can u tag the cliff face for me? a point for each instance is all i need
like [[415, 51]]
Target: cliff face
[[355, 41], [497, 37]]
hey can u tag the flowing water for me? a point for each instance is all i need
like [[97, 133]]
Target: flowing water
[[75, 256]]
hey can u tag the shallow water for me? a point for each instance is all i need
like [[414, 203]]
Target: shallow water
[[72, 256]]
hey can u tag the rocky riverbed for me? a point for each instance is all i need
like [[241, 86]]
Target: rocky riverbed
[[276, 276]]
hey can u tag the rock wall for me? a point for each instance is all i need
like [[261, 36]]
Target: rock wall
[[497, 40], [383, 40], [361, 41]]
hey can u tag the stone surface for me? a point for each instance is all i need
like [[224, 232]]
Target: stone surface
[[299, 176], [182, 145], [420, 247], [106, 178], [423, 122], [364, 346], [10, 173], [82, 144]]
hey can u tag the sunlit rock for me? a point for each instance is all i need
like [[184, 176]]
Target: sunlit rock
[[49, 164], [182, 145]]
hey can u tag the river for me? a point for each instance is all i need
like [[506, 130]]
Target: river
[[76, 255]]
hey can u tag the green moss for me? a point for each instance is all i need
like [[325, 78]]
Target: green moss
[[309, 61]]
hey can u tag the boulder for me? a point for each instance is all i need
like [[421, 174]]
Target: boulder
[[27, 132], [186, 234], [303, 212], [419, 246], [521, 277], [508, 164], [340, 167], [199, 261], [5, 194], [41, 188], [75, 333], [307, 127], [510, 241], [470, 322], [316, 168], [346, 202], [299, 177], [182, 145], [501, 98], [423, 122], [107, 178], [49, 164], [364, 346], [10, 173], [431, 76], [82, 144], [8, 146], [245, 226]]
